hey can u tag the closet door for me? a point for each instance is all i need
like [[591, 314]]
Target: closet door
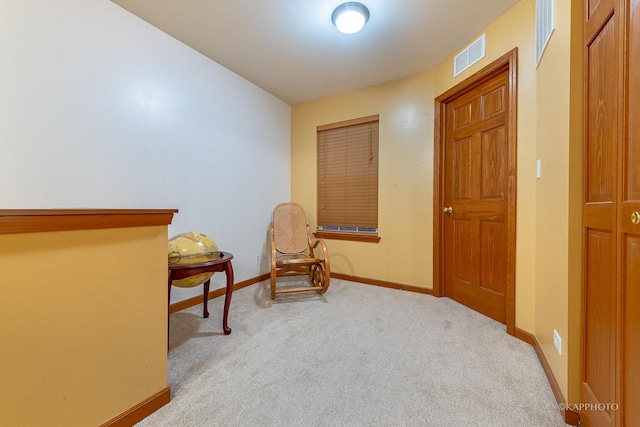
[[630, 228], [611, 214], [600, 294]]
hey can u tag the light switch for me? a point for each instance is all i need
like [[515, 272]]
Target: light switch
[[538, 169]]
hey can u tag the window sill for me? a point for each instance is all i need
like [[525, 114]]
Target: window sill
[[355, 237]]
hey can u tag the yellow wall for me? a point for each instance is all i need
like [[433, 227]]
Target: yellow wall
[[552, 149], [558, 197], [404, 254], [547, 255], [83, 324]]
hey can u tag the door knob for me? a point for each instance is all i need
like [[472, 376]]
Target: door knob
[[635, 217], [447, 209]]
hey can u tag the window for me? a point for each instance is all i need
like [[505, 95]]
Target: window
[[348, 180], [544, 26]]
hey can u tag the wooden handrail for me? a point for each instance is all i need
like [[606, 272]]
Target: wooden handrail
[[39, 220]]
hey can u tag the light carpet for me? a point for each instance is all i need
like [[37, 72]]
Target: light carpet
[[359, 355]]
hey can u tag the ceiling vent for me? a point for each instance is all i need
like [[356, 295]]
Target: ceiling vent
[[469, 56], [544, 26]]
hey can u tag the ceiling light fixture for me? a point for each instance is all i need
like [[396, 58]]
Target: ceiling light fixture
[[350, 17]]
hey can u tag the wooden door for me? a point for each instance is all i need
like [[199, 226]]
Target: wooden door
[[599, 214], [629, 220], [611, 215], [477, 185]]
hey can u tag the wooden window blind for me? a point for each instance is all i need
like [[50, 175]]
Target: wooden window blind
[[348, 176]]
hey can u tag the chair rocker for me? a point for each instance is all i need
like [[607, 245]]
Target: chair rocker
[[292, 251]]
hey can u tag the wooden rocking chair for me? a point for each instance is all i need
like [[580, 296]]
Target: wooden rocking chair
[[292, 251]]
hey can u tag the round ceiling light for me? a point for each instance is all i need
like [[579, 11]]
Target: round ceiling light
[[350, 17]]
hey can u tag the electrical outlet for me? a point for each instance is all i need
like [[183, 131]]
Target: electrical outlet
[[258, 259], [557, 341]]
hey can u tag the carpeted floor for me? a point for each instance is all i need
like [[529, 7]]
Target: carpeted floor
[[358, 355]]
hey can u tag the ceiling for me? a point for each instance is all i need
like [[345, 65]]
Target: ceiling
[[291, 49]]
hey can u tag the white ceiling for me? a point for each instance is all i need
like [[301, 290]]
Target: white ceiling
[[291, 49]]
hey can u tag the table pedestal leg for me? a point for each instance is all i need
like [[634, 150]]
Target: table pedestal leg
[[228, 269], [205, 299], [169, 307]]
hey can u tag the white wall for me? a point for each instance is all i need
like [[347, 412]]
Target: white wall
[[99, 109]]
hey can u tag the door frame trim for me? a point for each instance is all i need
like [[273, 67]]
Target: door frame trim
[[509, 62]]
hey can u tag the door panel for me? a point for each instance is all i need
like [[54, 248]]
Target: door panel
[[602, 115], [493, 102], [492, 258], [600, 324], [461, 169], [462, 116], [493, 164]]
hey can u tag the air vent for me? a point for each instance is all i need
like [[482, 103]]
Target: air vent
[[544, 26], [469, 56]]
